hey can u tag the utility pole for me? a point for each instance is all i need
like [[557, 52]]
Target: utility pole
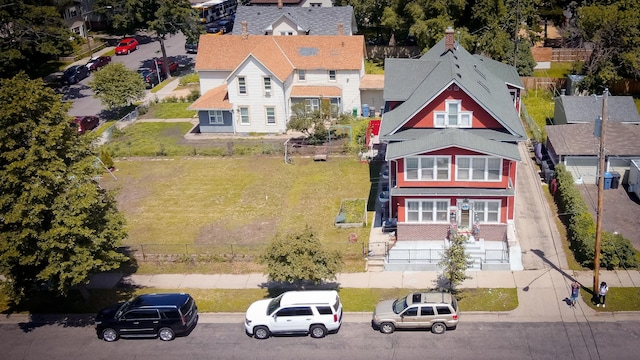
[[601, 158]]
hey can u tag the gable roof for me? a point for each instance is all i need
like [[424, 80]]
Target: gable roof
[[585, 109], [446, 138], [578, 139], [417, 82], [281, 54], [311, 20]]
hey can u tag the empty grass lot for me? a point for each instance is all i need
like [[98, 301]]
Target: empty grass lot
[[206, 205]]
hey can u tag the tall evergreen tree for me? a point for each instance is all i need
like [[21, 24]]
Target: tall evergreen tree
[[57, 225]]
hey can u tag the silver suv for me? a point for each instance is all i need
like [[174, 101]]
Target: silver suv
[[437, 311]]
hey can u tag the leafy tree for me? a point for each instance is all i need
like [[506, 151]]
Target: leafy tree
[[162, 17], [454, 260], [307, 122], [116, 86], [57, 225], [614, 30], [299, 257], [31, 34]]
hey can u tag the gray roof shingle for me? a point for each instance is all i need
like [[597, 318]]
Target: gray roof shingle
[[445, 138], [416, 85], [578, 139], [313, 20], [585, 109]]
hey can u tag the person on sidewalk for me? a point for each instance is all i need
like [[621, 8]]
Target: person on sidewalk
[[575, 291], [602, 294]]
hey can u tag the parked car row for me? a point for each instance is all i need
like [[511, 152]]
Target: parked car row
[[314, 312]]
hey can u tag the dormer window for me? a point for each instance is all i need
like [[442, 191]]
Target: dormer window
[[453, 116]]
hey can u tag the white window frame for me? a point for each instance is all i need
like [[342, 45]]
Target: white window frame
[[270, 114], [422, 169], [427, 211], [483, 212], [311, 104], [302, 75], [266, 83], [242, 85], [452, 116], [243, 114], [478, 165], [216, 117], [332, 75]]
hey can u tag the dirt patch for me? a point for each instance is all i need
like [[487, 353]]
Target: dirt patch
[[254, 233]]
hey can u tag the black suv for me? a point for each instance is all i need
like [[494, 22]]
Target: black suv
[[150, 77], [151, 315]]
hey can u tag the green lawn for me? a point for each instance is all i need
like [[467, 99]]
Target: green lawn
[[238, 300], [558, 70], [203, 205]]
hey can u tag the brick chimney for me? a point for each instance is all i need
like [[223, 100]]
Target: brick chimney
[[245, 29], [449, 38], [340, 28], [279, 4]]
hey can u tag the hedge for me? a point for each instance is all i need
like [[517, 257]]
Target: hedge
[[616, 251]]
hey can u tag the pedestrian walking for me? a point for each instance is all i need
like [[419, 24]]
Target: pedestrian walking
[[602, 294], [575, 291]]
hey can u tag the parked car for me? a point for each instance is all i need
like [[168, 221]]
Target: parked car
[[437, 311], [191, 47], [150, 77], [215, 29], [151, 315], [173, 65], [97, 62], [74, 74], [126, 46], [226, 26], [315, 312], [85, 123]]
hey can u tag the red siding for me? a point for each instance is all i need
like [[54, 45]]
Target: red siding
[[481, 119]]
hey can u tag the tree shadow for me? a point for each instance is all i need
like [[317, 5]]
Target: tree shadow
[[275, 288], [78, 307]]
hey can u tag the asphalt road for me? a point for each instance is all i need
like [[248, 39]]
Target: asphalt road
[[494, 341], [82, 97]]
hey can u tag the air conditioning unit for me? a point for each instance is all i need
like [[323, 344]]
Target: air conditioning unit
[[267, 93]]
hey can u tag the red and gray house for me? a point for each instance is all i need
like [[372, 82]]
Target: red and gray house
[[450, 131]]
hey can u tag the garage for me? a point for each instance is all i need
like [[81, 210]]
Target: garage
[[583, 167]]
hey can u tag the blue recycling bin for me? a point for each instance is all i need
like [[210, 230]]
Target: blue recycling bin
[[365, 110], [608, 178]]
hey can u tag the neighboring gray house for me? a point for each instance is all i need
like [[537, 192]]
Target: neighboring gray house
[[273, 20], [300, 3], [575, 146], [585, 109]]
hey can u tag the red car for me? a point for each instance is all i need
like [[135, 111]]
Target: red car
[[126, 46], [85, 123], [98, 62], [173, 65]]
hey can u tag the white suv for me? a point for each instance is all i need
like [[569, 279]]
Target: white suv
[[315, 312]]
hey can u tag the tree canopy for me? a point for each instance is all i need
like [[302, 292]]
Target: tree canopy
[[57, 225], [31, 34], [300, 257], [116, 86]]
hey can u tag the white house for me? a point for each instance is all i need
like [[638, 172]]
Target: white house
[[249, 83]]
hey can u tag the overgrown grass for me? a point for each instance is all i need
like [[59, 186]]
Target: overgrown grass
[[150, 139], [539, 105], [558, 70], [169, 110], [189, 79], [238, 300], [562, 231], [241, 200]]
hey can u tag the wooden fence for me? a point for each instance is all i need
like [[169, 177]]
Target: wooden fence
[[624, 87]]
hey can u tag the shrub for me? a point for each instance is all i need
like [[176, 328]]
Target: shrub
[[615, 250]]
